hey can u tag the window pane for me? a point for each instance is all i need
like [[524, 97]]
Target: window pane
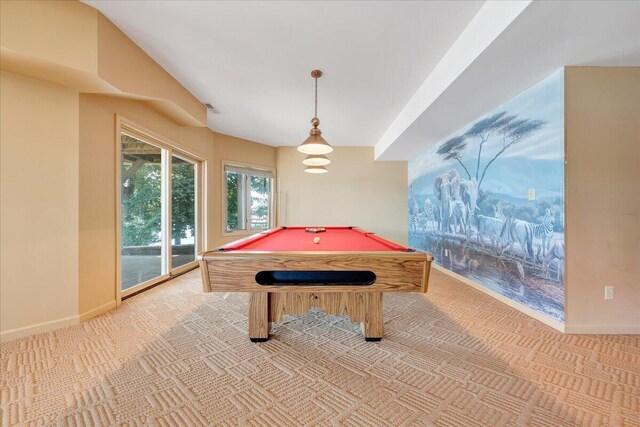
[[260, 202], [141, 196], [183, 212], [236, 204]]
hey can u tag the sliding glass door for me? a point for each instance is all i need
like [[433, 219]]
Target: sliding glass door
[[183, 212], [141, 212], [159, 218]]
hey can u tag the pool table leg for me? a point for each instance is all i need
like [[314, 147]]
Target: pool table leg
[[372, 327], [258, 316]]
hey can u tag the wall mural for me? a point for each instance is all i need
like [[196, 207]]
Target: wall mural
[[488, 202]]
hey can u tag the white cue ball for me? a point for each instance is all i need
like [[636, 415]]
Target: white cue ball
[[316, 240]]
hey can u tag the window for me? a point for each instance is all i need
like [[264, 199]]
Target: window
[[248, 199], [160, 210]]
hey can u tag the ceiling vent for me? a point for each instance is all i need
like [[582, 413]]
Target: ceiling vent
[[211, 108]]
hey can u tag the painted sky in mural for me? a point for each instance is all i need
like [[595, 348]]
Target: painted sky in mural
[[544, 150], [498, 217]]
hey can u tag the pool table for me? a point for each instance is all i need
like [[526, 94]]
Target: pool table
[[346, 272]]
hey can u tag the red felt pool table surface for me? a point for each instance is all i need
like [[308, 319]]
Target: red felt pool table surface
[[297, 239]]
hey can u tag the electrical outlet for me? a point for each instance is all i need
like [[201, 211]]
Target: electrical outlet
[[532, 194], [608, 292]]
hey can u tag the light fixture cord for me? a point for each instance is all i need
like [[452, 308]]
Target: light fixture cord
[[316, 104]]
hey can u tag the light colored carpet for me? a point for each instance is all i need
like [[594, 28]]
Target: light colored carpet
[[453, 357]]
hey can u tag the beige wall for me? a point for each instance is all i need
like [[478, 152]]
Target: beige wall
[[58, 156], [127, 67], [98, 252], [357, 191], [98, 191], [229, 148], [602, 116], [59, 177], [71, 44], [57, 31], [39, 199]]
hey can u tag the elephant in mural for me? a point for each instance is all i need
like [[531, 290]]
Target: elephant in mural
[[442, 191], [456, 201], [458, 219], [454, 184], [469, 195]]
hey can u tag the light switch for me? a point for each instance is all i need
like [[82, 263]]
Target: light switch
[[608, 292], [532, 194]]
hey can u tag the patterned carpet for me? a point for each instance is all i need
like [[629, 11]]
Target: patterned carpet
[[453, 357]]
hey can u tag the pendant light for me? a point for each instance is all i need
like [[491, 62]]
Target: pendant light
[[316, 160], [315, 143], [315, 169]]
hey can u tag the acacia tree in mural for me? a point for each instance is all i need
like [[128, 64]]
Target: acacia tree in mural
[[456, 197], [454, 148], [509, 127]]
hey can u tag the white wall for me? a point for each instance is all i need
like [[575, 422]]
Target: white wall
[[357, 191]]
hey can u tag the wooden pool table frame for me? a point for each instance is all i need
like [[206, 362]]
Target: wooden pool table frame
[[235, 270]]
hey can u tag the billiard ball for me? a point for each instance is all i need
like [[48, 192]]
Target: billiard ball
[[316, 240]]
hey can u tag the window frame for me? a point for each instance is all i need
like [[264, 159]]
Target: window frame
[[272, 199], [169, 149]]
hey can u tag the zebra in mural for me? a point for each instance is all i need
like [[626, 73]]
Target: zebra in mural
[[555, 255], [545, 232], [414, 212], [430, 222], [497, 212], [524, 232]]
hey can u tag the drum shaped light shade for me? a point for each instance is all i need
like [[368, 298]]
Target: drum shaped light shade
[[316, 160], [315, 169]]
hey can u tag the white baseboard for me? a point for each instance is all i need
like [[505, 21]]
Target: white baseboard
[[603, 329], [43, 327], [549, 321], [97, 311], [38, 328]]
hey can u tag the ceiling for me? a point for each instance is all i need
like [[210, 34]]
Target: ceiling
[[539, 40], [394, 71], [252, 60]]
